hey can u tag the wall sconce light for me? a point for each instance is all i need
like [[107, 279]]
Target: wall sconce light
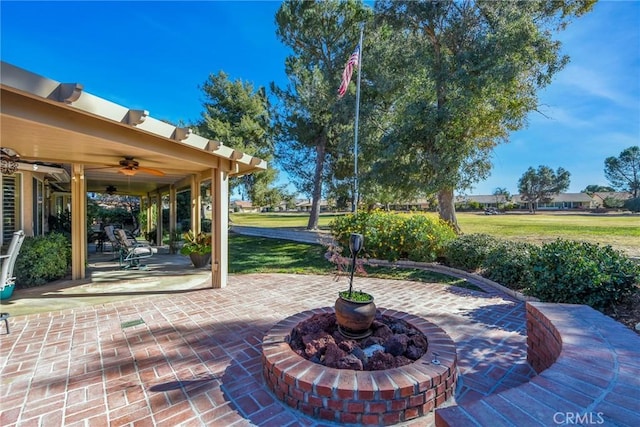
[[47, 189]]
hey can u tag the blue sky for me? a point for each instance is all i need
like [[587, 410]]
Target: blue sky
[[155, 55]]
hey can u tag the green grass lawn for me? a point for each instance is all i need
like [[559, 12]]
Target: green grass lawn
[[249, 254], [622, 232]]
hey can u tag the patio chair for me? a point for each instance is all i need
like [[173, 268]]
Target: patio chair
[[109, 231], [131, 252], [8, 262]]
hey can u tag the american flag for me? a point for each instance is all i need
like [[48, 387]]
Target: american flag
[[348, 71]]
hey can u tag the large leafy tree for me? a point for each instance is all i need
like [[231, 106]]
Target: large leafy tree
[[595, 188], [238, 115], [476, 70], [312, 124], [539, 186], [623, 172]]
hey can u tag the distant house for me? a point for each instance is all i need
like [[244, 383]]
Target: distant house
[[305, 205], [560, 201], [485, 201], [617, 196], [243, 206], [413, 205]]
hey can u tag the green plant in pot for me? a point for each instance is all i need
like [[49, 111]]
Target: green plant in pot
[[197, 247], [355, 310]]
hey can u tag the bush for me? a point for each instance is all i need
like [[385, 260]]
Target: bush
[[613, 203], [509, 264], [42, 259], [469, 206], [632, 204], [393, 236], [582, 273], [469, 251]]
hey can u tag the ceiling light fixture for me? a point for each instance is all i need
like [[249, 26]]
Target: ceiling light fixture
[[9, 161]]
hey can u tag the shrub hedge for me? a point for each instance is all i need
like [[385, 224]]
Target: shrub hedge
[[42, 259], [509, 263], [468, 252], [393, 236], [582, 273], [562, 271], [633, 204]]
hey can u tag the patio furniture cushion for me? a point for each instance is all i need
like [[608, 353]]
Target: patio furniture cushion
[[131, 252]]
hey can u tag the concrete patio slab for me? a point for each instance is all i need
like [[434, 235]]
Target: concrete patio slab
[[108, 282]]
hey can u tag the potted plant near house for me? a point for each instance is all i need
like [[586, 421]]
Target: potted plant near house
[[355, 310], [197, 247]]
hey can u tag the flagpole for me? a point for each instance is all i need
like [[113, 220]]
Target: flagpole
[[355, 137]]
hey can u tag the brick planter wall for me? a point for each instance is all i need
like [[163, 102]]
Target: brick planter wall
[[544, 342], [363, 397]]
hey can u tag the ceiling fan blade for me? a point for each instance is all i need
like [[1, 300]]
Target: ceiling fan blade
[[100, 168], [150, 171]]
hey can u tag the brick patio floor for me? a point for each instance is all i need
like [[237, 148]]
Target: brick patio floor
[[193, 358]]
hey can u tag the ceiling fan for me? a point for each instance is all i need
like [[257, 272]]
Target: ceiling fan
[[130, 167]]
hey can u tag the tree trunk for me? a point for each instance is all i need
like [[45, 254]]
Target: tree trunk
[[446, 205], [314, 215], [447, 208]]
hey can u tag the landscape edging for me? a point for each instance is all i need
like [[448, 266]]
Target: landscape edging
[[476, 279]]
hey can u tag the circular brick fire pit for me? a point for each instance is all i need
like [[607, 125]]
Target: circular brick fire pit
[[364, 397]]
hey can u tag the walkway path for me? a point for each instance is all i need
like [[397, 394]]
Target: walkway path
[[193, 358], [286, 233]]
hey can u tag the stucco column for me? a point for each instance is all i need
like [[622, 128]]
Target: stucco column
[[173, 216], [196, 224], [220, 228], [158, 218], [78, 222]]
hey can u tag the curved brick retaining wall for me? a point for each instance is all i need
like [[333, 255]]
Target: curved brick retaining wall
[[587, 366], [363, 397]]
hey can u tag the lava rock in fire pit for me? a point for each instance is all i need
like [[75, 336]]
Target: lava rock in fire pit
[[393, 343], [396, 345]]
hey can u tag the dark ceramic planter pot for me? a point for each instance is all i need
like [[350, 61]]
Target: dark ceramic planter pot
[[354, 317], [200, 260]]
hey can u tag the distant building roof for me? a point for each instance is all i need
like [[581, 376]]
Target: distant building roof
[[572, 197], [308, 203], [618, 195], [242, 203], [517, 198], [486, 198]]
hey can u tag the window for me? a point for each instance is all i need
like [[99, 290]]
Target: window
[[38, 207], [11, 206]]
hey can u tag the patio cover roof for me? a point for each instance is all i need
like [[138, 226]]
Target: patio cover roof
[[50, 122]]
